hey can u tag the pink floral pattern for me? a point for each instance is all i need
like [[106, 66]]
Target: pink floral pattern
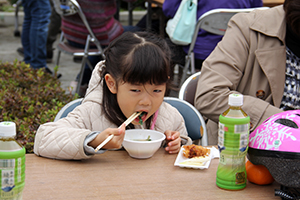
[[274, 136]]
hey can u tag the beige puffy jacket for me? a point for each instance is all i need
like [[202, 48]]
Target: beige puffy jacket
[[65, 138], [251, 60]]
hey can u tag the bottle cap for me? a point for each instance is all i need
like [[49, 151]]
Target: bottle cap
[[7, 129], [235, 100]]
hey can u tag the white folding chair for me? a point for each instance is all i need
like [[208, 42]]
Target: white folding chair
[[188, 88], [194, 121], [214, 21], [71, 7]]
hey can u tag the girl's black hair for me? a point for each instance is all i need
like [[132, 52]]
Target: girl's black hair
[[292, 14], [135, 58]]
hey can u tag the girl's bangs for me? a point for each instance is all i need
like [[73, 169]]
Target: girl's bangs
[[147, 65]]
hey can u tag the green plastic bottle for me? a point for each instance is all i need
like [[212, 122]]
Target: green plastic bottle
[[233, 138], [12, 163]]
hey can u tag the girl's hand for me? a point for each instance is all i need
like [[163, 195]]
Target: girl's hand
[[173, 141], [114, 143]]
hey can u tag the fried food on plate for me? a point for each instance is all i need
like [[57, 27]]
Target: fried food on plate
[[191, 151]]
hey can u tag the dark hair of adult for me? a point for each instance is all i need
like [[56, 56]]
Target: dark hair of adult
[[292, 13], [135, 58]]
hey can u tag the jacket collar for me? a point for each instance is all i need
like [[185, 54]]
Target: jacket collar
[[274, 26]]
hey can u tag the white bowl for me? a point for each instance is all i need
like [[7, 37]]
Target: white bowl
[[142, 149]]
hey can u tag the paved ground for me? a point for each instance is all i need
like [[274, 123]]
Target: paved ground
[[9, 44]]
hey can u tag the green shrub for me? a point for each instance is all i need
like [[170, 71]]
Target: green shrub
[[6, 6], [29, 98]]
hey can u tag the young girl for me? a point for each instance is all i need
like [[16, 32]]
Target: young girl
[[133, 77]]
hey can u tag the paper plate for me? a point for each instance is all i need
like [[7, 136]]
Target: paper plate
[[180, 159]]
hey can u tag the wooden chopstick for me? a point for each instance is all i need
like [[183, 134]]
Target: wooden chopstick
[[131, 118], [128, 121], [104, 143]]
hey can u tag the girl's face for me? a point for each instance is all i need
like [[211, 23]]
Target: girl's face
[[134, 98]]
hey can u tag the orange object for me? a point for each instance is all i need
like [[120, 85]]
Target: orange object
[[258, 174]]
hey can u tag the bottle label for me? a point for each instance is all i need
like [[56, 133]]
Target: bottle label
[[7, 174], [8, 163], [244, 139], [240, 178], [12, 175], [241, 128], [221, 135]]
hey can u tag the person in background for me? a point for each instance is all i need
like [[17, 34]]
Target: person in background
[[34, 32], [205, 42], [53, 28], [134, 77], [105, 27], [259, 57]]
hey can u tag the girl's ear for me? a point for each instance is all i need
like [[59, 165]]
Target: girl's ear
[[111, 83]]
